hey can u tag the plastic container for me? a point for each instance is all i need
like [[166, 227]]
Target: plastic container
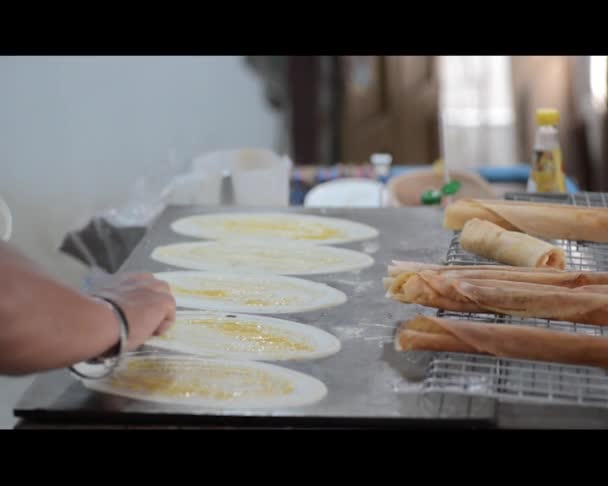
[[257, 177]]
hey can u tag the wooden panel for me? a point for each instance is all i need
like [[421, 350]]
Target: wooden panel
[[366, 119], [538, 82], [390, 105], [304, 114], [415, 89], [364, 87]]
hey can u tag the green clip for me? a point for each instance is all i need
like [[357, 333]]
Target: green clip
[[431, 197], [451, 187]]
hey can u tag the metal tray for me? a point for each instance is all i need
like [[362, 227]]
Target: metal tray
[[369, 383]]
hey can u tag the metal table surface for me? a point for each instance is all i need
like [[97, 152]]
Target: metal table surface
[[369, 383]]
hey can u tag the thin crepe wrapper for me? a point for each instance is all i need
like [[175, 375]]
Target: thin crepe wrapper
[[489, 240], [550, 221], [503, 341], [585, 304]]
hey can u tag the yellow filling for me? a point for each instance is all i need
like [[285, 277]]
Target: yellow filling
[[273, 258], [189, 379], [257, 302], [235, 295], [255, 334], [291, 229], [399, 281], [213, 293]]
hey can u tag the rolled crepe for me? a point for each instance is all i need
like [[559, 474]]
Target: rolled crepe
[[489, 240], [585, 304], [419, 288], [399, 267], [546, 276], [503, 341], [550, 221], [397, 280]]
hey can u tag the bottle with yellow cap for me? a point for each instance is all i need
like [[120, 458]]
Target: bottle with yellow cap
[[547, 174]]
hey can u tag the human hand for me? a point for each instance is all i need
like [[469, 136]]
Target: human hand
[[146, 301]]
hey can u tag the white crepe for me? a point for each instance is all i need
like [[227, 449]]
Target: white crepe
[[209, 383], [274, 226], [257, 294], [241, 336], [284, 258]]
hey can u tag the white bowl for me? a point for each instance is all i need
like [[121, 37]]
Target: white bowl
[[348, 192]]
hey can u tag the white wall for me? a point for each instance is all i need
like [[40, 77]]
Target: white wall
[[75, 132]]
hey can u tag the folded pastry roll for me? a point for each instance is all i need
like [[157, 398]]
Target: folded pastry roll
[[584, 304], [588, 305], [429, 289], [399, 267], [501, 340], [545, 276], [550, 221], [489, 240]]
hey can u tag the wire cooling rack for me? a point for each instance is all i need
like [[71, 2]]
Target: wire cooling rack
[[523, 380]]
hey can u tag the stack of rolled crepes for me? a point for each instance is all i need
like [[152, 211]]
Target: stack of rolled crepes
[[504, 341], [551, 221], [525, 292]]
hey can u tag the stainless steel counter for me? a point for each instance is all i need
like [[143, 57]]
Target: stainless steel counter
[[370, 384]]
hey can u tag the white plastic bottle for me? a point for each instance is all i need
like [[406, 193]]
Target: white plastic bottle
[[382, 168], [546, 173]]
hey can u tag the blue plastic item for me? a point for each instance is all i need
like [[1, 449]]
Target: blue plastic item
[[514, 173], [511, 174]]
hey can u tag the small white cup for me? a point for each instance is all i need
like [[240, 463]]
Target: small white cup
[[194, 188], [6, 221], [259, 177]]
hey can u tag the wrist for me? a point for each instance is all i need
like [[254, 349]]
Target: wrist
[[110, 327], [106, 362]]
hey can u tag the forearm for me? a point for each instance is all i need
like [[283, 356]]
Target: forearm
[[44, 324]]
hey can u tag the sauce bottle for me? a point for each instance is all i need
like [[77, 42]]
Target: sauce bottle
[[547, 173]]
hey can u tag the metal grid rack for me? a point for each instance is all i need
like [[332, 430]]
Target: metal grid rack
[[523, 380], [580, 255], [589, 199]]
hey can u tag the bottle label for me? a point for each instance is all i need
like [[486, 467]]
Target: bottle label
[[547, 171]]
